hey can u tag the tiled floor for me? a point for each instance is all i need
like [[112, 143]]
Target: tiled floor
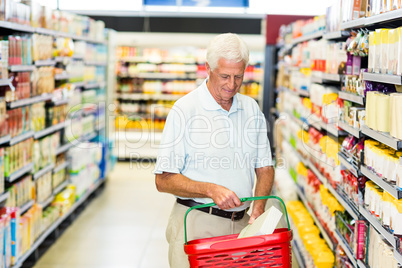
[[122, 228]]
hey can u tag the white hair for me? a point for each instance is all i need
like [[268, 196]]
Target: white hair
[[228, 46]]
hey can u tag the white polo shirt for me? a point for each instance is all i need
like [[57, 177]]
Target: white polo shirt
[[206, 143]]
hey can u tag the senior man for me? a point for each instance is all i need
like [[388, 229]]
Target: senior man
[[213, 146]]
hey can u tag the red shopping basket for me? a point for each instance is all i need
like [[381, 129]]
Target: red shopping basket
[[272, 250]]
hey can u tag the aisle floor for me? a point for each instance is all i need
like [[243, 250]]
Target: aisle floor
[[124, 227]]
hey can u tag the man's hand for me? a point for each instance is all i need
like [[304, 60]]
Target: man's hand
[[224, 198], [258, 209]]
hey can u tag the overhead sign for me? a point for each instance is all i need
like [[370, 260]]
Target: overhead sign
[[198, 3]]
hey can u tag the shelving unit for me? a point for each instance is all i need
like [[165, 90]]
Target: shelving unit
[[61, 166], [4, 196], [345, 248], [351, 97], [308, 37], [60, 188], [43, 171], [24, 208], [380, 182], [57, 223], [17, 174], [336, 35], [29, 101], [351, 130], [51, 100], [354, 170], [21, 68], [382, 137], [4, 140], [49, 130], [377, 225], [383, 78]]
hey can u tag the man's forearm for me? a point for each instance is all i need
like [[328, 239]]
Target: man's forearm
[[180, 185], [265, 181]]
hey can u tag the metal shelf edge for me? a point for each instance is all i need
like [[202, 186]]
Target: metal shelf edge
[[43, 171], [380, 182], [345, 247], [349, 166], [358, 23], [351, 130], [4, 196], [59, 188], [49, 130], [17, 174], [5, 139], [383, 78], [24, 208], [63, 148], [382, 137], [373, 221], [397, 256], [308, 37], [351, 97], [60, 167], [47, 202]]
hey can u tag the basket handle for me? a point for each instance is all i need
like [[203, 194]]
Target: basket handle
[[242, 200]]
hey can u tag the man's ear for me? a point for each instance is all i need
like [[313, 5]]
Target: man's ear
[[208, 68]]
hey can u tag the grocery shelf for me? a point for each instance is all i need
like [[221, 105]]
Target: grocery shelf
[[351, 97], [380, 182], [358, 23], [96, 63], [60, 188], [352, 211], [43, 171], [377, 225], [4, 196], [345, 247], [53, 227], [29, 29], [298, 255], [94, 85], [320, 77], [22, 137], [17, 174], [24, 208], [349, 166], [39, 63], [5, 82], [361, 264], [60, 102], [161, 76], [140, 59], [140, 96], [6, 139], [62, 59], [308, 37], [61, 166], [79, 84], [384, 17], [331, 129], [63, 76], [49, 130], [336, 35], [21, 68], [349, 129], [397, 256], [383, 78], [382, 137], [16, 27], [63, 148], [47, 202], [28, 101], [316, 220]]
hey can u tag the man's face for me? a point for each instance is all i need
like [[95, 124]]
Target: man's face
[[225, 81]]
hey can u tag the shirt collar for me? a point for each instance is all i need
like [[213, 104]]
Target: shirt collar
[[209, 103]]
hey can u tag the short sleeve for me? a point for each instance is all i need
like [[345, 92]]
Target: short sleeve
[[264, 156], [171, 152]]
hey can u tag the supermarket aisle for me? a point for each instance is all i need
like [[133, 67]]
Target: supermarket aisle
[[123, 228]]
